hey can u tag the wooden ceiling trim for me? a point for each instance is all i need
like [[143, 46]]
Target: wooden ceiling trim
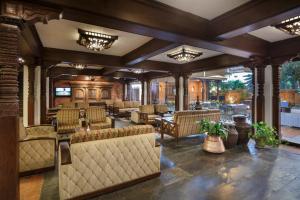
[[185, 29], [252, 16], [285, 48]]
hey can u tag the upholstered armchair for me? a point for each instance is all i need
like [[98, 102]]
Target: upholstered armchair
[[184, 122], [147, 114], [161, 109], [96, 118], [37, 146], [121, 108], [67, 120]]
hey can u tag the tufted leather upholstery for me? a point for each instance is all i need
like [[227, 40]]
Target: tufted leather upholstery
[[36, 153], [184, 122], [105, 158], [97, 119], [67, 120], [37, 148]]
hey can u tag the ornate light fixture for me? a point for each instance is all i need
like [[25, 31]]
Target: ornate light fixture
[[78, 66], [291, 26], [184, 55], [95, 41], [138, 71]]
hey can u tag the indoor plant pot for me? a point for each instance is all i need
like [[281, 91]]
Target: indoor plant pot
[[264, 135], [215, 131]]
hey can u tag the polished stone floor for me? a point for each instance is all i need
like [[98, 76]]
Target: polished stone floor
[[188, 173], [291, 134]]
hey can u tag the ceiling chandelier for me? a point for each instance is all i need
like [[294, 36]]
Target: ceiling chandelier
[[291, 26], [138, 71], [184, 55], [78, 66], [95, 41]]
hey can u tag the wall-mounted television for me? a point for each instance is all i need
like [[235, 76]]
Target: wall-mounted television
[[63, 92]]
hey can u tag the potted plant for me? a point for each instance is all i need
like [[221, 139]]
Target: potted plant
[[264, 135], [215, 133]]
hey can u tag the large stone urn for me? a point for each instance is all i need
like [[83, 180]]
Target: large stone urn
[[213, 144], [243, 129]]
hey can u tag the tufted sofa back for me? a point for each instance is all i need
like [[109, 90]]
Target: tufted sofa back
[[67, 116], [186, 120], [102, 134], [107, 159], [149, 109], [161, 108], [95, 114]]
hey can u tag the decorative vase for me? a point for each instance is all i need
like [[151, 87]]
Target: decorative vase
[[260, 143], [213, 144], [232, 137], [243, 129]]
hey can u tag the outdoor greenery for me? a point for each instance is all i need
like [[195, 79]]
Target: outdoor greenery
[[264, 135], [249, 84], [213, 128], [232, 85], [290, 76]]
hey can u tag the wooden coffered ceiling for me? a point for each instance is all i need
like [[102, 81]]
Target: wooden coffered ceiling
[[231, 35]]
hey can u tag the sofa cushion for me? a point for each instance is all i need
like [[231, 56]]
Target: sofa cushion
[[161, 108], [128, 109], [127, 104], [135, 104], [83, 136], [119, 104], [149, 109], [101, 125]]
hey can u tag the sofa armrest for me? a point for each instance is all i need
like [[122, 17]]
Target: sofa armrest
[[65, 154], [111, 120], [144, 117], [115, 110]]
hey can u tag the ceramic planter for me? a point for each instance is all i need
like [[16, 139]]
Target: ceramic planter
[[213, 144]]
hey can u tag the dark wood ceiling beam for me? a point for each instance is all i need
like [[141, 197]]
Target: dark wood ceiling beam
[[252, 16], [60, 55], [148, 50], [30, 43], [156, 65], [216, 62], [285, 48], [60, 71], [133, 17]]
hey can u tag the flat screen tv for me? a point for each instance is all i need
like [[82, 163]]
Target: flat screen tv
[[63, 92]]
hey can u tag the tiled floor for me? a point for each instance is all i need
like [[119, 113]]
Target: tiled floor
[[291, 134], [189, 173]]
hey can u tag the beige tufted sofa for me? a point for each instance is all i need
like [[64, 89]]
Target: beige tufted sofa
[[101, 160], [184, 122], [36, 149], [96, 118]]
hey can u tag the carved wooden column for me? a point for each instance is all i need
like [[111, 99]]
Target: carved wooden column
[[124, 84], [148, 91], [9, 107], [185, 91], [143, 92], [253, 102], [31, 95], [260, 99], [43, 93], [177, 76], [51, 92], [203, 90], [276, 97], [218, 88], [207, 89]]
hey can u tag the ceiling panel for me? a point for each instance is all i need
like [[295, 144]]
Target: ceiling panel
[[164, 58], [271, 34], [63, 34], [208, 9]]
